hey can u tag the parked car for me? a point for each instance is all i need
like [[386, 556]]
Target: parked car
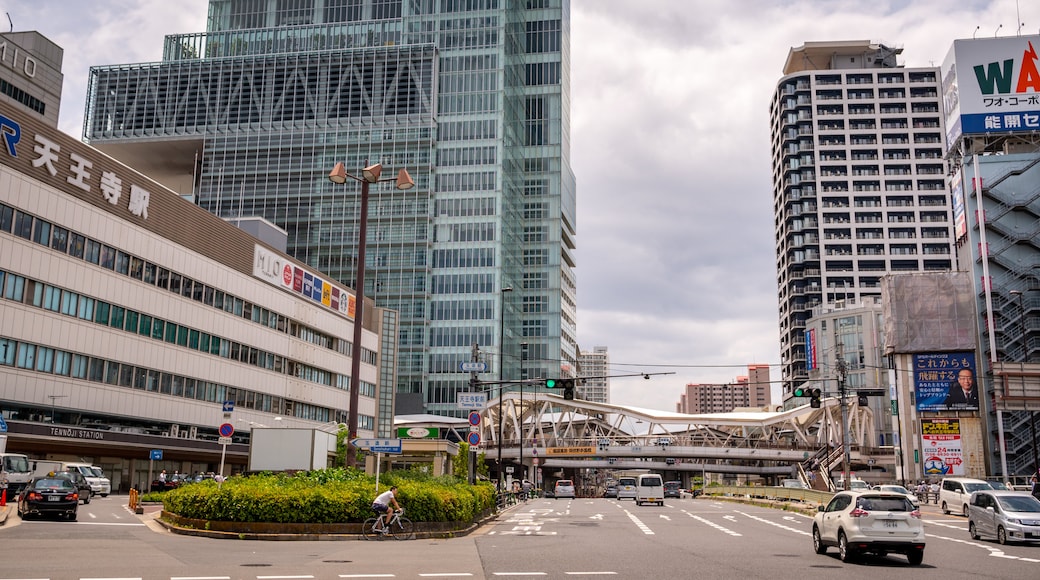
[[900, 489], [1008, 516], [77, 479], [171, 482], [49, 495], [955, 493], [626, 488], [792, 484], [854, 485], [860, 522], [564, 488], [673, 489]]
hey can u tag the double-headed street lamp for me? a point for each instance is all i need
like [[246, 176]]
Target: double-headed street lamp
[[369, 175], [501, 375]]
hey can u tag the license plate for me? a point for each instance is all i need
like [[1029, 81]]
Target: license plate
[[53, 498], [889, 523]]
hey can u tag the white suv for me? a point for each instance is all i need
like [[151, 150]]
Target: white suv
[[875, 522], [955, 493]]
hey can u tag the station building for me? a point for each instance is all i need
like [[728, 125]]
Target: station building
[[133, 321]]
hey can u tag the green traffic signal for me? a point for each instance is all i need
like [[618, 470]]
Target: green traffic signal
[[801, 392], [550, 383]]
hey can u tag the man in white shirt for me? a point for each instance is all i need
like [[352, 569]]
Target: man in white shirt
[[382, 505]]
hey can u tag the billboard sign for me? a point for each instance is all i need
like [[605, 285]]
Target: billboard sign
[[945, 381], [941, 447], [992, 85]]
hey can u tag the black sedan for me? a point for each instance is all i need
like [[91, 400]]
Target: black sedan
[[57, 496]]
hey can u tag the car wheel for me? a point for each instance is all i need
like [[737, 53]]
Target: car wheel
[[1002, 535], [945, 510], [974, 533], [915, 557], [964, 510], [845, 552], [72, 517], [104, 495], [817, 542], [86, 499]]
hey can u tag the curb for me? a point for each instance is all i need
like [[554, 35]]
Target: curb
[[232, 535]]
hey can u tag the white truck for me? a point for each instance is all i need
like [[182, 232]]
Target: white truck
[[15, 473]]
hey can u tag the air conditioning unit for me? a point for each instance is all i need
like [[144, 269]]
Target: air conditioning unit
[[193, 432], [175, 430]]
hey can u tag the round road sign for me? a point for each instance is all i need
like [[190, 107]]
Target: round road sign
[[474, 438], [474, 418], [227, 430]]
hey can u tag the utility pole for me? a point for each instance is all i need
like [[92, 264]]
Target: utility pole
[[842, 372], [474, 383]]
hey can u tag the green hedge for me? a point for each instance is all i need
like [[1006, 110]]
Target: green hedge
[[328, 496]]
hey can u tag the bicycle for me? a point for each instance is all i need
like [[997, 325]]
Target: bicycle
[[400, 527]]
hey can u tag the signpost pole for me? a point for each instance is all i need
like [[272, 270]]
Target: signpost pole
[[379, 462], [223, 450]]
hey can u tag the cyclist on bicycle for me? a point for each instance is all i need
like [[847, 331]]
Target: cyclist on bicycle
[[381, 505]]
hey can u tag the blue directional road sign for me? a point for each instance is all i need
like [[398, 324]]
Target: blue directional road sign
[[229, 406], [3, 425], [155, 455], [378, 445]]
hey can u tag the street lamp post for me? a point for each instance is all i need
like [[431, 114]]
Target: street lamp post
[[501, 371], [369, 175], [520, 418], [54, 398]]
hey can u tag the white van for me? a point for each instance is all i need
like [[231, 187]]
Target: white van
[[649, 489], [99, 484]]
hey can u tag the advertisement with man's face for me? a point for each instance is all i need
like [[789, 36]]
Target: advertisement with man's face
[[946, 381]]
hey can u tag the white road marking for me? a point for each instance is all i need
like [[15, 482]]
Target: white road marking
[[366, 576], [519, 574], [284, 577], [730, 518], [445, 575], [781, 526], [590, 573], [662, 516], [200, 578], [646, 529], [596, 517], [714, 525]]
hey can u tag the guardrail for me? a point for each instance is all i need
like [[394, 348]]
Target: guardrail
[[775, 493]]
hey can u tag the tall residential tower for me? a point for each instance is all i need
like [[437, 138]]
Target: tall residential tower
[[471, 96], [859, 185]]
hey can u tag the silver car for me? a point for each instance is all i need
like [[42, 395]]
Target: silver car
[[1008, 516], [899, 489], [860, 522]]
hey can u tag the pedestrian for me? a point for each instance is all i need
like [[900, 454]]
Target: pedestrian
[[162, 476], [1035, 488], [527, 487]]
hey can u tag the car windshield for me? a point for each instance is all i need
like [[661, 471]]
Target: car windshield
[[52, 483], [627, 482], [97, 472], [998, 485], [1020, 503], [894, 488], [564, 483], [671, 484], [882, 504], [970, 487]]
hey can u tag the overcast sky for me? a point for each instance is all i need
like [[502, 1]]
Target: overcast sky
[[670, 145]]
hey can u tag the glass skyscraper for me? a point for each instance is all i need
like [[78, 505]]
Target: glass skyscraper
[[471, 96]]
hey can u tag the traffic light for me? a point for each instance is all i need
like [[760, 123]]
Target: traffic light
[[814, 398], [862, 401], [568, 389], [551, 383], [801, 392]]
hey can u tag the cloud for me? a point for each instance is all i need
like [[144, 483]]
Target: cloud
[[670, 146]]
